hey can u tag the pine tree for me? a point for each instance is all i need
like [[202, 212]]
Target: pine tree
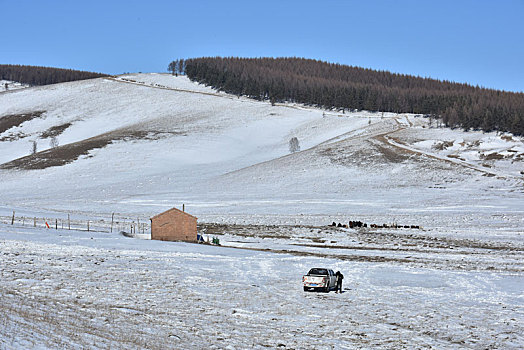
[[337, 86], [173, 67]]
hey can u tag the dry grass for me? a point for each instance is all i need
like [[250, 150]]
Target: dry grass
[[55, 131], [66, 154], [10, 121], [493, 156], [440, 146]]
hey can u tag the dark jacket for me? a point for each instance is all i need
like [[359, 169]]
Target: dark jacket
[[340, 277]]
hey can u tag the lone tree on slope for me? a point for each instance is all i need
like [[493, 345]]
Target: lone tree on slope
[[294, 146], [53, 143]]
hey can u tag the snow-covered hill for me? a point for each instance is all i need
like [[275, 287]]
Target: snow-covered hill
[[137, 144], [141, 143]]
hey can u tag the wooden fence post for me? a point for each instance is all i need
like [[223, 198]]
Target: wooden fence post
[[112, 219], [34, 222], [88, 225], [13, 218], [56, 224], [68, 222]]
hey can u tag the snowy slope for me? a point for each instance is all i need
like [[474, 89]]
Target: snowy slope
[[137, 144], [165, 140]]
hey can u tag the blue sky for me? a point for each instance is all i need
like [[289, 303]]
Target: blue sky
[[479, 42]]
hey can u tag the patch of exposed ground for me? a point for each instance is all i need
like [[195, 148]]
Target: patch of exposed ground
[[66, 154], [55, 131], [263, 231], [357, 149], [13, 136], [374, 150], [492, 156], [10, 121], [440, 146]]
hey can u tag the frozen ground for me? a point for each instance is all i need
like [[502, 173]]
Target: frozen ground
[[67, 289], [138, 144]]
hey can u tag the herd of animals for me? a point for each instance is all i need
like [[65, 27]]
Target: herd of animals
[[359, 224]]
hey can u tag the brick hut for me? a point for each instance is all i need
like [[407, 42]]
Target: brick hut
[[174, 225]]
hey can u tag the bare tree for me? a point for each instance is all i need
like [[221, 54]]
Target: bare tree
[[53, 143], [294, 146], [33, 147]]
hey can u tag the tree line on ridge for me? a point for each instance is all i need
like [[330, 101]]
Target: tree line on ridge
[[336, 86], [35, 75]]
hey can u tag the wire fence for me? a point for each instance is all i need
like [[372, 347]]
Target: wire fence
[[114, 223]]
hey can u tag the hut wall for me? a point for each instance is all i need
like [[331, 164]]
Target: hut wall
[[174, 225]]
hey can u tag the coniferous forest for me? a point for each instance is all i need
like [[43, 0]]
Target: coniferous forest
[[34, 75], [330, 85]]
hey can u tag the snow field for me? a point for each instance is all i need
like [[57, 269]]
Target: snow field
[[95, 290]]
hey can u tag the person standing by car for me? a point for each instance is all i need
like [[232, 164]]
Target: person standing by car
[[340, 277]]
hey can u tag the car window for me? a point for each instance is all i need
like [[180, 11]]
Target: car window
[[318, 272]]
